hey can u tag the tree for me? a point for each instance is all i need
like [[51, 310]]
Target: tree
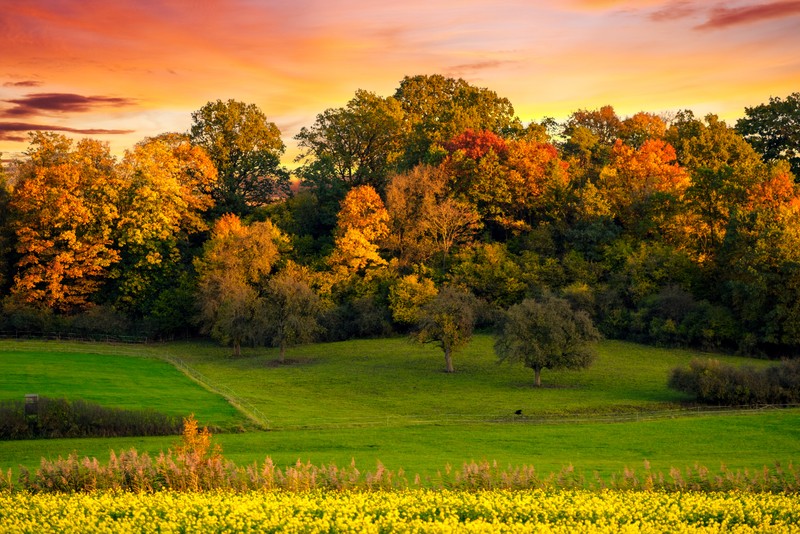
[[361, 142], [438, 108], [641, 127], [63, 209], [774, 130], [236, 261], [6, 235], [447, 321], [166, 185], [644, 187], [246, 149], [547, 334], [361, 226], [407, 297], [410, 197], [289, 311]]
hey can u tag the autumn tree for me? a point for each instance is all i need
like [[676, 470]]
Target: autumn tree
[[447, 321], [410, 197], [6, 239], [424, 220], [547, 334], [361, 226], [774, 129], [589, 137], [63, 209], [166, 185], [438, 108], [644, 187], [641, 127], [723, 169], [360, 143], [510, 183], [237, 260], [289, 310], [246, 149], [408, 295]]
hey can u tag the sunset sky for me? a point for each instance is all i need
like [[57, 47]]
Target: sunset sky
[[120, 71]]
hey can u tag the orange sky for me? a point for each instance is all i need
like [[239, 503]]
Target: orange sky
[[124, 70]]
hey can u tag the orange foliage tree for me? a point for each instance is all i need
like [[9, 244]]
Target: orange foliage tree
[[64, 207]]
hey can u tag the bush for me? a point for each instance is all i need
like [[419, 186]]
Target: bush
[[62, 418], [712, 382]]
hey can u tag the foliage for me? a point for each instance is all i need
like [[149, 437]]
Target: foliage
[[712, 382], [63, 418], [62, 213], [773, 129], [245, 148], [361, 142], [361, 225], [447, 320], [289, 310], [438, 108], [407, 297], [165, 192], [547, 334], [235, 262]]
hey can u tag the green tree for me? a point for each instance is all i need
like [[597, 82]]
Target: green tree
[[438, 108], [408, 295], [447, 321], [547, 334], [289, 311], [774, 129], [246, 149], [361, 142]]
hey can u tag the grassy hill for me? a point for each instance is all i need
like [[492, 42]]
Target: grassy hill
[[389, 400]]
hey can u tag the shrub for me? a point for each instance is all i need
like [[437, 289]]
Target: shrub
[[62, 418], [712, 382]]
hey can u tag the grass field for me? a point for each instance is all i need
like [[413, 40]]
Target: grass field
[[389, 400]]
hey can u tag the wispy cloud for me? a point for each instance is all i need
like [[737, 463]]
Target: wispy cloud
[[24, 83], [723, 17], [11, 131], [35, 103], [675, 11]]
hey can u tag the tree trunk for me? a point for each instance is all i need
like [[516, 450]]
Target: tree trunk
[[237, 348], [448, 360], [537, 373], [283, 352]]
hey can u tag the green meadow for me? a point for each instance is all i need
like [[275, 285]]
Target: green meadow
[[389, 400]]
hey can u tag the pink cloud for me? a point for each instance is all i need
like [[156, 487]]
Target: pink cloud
[[36, 103], [723, 17], [10, 131]]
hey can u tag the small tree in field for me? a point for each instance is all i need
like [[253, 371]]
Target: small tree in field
[[289, 311], [547, 334], [447, 320]]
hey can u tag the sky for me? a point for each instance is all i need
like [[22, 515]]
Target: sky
[[121, 71]]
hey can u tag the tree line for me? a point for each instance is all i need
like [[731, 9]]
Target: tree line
[[667, 229]]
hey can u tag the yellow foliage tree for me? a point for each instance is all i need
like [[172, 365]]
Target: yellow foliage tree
[[362, 224]]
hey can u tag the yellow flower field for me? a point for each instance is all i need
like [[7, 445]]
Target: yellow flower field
[[565, 511]]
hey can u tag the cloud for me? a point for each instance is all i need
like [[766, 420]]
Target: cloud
[[10, 131], [25, 83], [36, 103], [722, 17], [478, 66], [674, 11]]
